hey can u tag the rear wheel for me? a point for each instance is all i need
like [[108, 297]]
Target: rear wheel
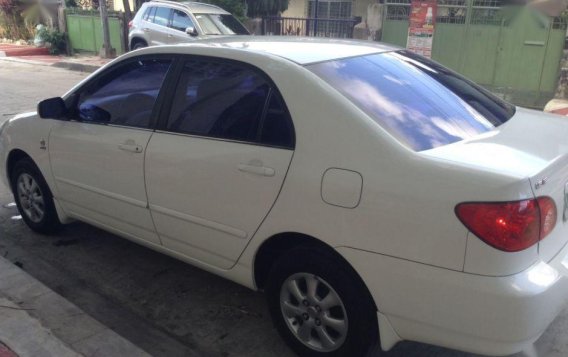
[[33, 198], [320, 307]]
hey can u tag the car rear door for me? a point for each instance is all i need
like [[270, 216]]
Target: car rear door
[[156, 26], [216, 166], [97, 156]]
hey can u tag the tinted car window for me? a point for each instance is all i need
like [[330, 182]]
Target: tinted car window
[[277, 128], [162, 16], [125, 96], [418, 101], [181, 21], [219, 100], [220, 24]]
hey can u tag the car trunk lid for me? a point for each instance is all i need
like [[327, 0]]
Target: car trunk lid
[[531, 145]]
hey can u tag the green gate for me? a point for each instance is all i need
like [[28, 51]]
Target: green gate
[[514, 52], [85, 32]]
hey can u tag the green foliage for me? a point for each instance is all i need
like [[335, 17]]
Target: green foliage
[[31, 16], [18, 19], [259, 8], [55, 38], [71, 3], [235, 7]]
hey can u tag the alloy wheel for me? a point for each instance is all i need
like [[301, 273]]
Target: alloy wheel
[[31, 198], [314, 312]]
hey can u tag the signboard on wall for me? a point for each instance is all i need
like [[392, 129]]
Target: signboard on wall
[[421, 29]]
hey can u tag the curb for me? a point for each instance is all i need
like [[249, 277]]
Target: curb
[[72, 66], [36, 321]]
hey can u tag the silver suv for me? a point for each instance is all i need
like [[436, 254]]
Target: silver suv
[[161, 22]]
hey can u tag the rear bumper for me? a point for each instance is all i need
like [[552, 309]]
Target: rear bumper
[[479, 314]]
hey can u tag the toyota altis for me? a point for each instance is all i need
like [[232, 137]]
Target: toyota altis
[[374, 195]]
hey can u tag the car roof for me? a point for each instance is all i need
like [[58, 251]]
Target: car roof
[[195, 7], [302, 50]]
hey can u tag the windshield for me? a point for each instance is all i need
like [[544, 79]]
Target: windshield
[[220, 24], [421, 103]]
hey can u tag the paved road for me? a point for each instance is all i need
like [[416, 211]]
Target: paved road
[[166, 307]]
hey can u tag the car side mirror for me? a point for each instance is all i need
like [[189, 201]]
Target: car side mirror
[[191, 31], [52, 108]]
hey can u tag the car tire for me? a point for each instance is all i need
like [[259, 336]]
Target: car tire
[[34, 198], [339, 312], [139, 44]]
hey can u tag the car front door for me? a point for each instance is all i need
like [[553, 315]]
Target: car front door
[[97, 156], [178, 26], [215, 167]]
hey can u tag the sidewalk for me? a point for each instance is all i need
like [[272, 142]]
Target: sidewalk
[[77, 63], [37, 322], [40, 56]]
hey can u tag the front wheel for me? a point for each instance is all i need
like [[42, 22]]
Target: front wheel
[[33, 198], [320, 307], [139, 44]]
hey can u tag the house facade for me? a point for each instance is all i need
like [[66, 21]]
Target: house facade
[[331, 9]]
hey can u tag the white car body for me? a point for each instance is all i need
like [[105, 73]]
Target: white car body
[[388, 210]]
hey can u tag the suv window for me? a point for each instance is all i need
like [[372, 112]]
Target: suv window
[[124, 96], [181, 21], [162, 16], [220, 24], [149, 14], [227, 100]]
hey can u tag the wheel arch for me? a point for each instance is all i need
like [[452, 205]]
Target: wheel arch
[[14, 156], [135, 40], [280, 243]]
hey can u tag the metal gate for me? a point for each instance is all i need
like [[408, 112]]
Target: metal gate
[[85, 32], [515, 55]]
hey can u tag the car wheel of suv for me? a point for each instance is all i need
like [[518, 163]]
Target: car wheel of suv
[[139, 44], [33, 198], [320, 307]]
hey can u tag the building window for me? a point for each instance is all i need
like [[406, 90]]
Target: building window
[[329, 9]]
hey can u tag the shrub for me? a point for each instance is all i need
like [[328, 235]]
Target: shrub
[[55, 38]]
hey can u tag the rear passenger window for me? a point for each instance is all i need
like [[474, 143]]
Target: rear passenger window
[[277, 128], [162, 16], [220, 100], [149, 14], [124, 96]]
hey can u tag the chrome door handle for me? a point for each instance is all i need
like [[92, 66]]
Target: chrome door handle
[[256, 170], [170, 35], [145, 29], [131, 148]]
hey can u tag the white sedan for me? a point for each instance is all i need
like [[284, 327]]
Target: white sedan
[[375, 195]]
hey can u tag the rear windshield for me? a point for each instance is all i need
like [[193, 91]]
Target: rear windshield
[[220, 24], [421, 103]]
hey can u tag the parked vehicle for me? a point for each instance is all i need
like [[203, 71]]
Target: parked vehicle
[[161, 22], [369, 191]]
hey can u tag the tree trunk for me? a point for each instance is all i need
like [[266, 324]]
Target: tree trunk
[[127, 11]]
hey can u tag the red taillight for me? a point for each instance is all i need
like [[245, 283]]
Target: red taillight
[[130, 24], [509, 226]]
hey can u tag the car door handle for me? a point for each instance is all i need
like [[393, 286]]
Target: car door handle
[[170, 35], [131, 148], [145, 29], [256, 170]]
